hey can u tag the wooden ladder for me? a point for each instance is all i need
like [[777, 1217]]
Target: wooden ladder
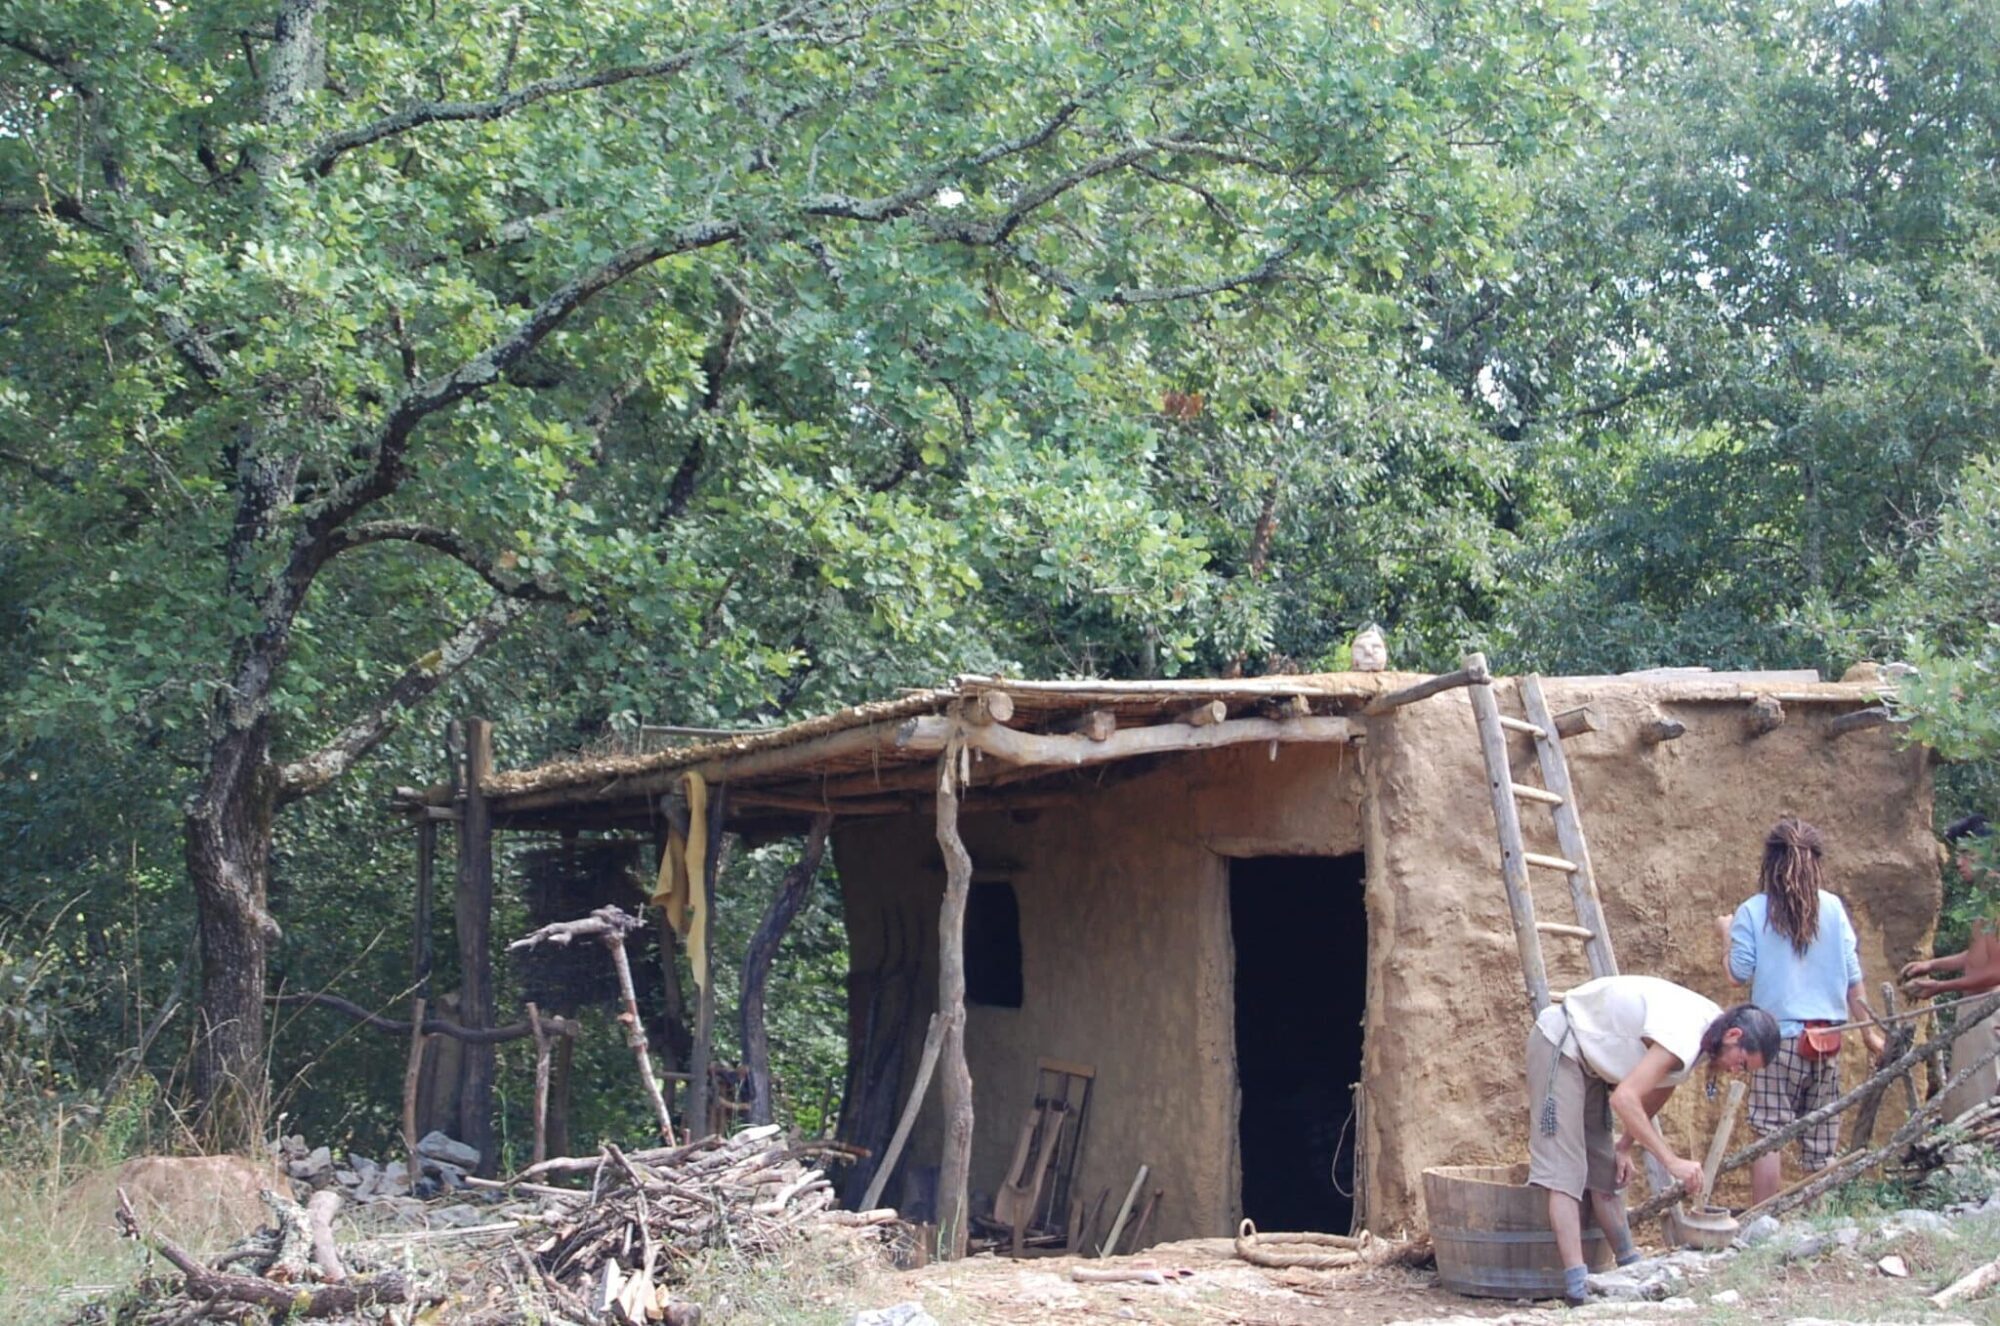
[[1516, 860]]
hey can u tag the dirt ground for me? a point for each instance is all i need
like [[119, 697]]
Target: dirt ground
[[1753, 1287]]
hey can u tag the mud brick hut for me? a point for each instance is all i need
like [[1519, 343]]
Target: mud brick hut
[[1267, 913]]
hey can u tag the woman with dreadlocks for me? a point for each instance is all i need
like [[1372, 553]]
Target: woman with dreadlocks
[[1793, 944]]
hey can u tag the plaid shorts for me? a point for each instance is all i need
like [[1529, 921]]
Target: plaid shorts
[[1792, 1085]]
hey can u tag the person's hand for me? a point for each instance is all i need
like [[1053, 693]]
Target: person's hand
[[1876, 1043], [1687, 1173], [1922, 967], [1623, 1175], [1923, 989]]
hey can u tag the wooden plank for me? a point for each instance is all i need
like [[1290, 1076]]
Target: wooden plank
[[1506, 817], [1065, 1067], [1465, 676], [1569, 831]]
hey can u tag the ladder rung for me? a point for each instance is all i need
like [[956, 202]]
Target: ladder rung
[[1549, 862], [1513, 724], [1571, 931], [1557, 996], [1541, 794]]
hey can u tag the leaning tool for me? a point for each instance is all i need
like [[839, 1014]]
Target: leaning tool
[[1708, 1226]]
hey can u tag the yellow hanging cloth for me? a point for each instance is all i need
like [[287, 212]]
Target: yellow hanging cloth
[[670, 890]]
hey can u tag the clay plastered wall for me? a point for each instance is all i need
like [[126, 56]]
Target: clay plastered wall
[[1126, 960], [1675, 834]]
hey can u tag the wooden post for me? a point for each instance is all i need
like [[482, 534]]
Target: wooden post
[[704, 1016], [955, 1163], [475, 946], [933, 1041], [1662, 729], [541, 1083], [420, 935], [786, 901], [412, 1073]]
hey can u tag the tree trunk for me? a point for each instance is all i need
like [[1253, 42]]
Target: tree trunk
[[789, 897], [955, 1079], [228, 843]]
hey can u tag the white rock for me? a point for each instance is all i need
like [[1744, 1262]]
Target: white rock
[[315, 1164], [1893, 1265], [1925, 1222], [903, 1314], [1760, 1230], [436, 1146], [1726, 1297], [1847, 1237]]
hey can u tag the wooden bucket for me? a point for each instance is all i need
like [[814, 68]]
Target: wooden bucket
[[1492, 1236]]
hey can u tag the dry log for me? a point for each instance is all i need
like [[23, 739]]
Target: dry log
[[1031, 748], [321, 1208], [988, 708], [1206, 714], [1766, 715], [1110, 1245], [1661, 730], [1575, 722], [1093, 724], [1860, 720], [1474, 673], [1977, 1282], [283, 1301]]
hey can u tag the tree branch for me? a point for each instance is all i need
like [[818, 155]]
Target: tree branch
[[449, 542], [306, 776], [482, 370], [322, 156]]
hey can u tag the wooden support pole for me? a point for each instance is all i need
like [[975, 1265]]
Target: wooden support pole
[[1767, 715], [955, 1162], [786, 900], [1093, 725], [420, 927], [1576, 722], [1465, 676], [933, 1041], [1110, 1245], [474, 909], [1206, 714], [1285, 708], [988, 708], [1662, 729], [704, 1012], [541, 1084], [1860, 720], [413, 1072]]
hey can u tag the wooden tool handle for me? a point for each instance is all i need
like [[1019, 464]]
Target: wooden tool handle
[[1720, 1146]]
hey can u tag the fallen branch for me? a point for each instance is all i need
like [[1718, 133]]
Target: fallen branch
[[1976, 1282], [513, 1031], [282, 1300]]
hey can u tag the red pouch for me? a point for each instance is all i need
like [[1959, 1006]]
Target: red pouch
[[1819, 1041]]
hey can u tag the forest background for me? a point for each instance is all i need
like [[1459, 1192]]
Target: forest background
[[621, 362]]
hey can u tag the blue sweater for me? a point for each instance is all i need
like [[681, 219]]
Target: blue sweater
[[1792, 987]]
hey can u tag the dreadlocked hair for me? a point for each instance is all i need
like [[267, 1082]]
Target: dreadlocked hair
[[1790, 878]]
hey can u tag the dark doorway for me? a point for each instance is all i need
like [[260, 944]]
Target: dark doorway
[[1301, 934]]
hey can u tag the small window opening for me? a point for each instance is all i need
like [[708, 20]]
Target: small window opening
[[993, 945]]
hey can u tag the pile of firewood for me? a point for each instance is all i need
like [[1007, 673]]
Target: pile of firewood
[[614, 1248]]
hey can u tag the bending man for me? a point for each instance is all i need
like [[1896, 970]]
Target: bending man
[[1628, 1041]]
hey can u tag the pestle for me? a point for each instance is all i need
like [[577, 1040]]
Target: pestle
[[1720, 1146]]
